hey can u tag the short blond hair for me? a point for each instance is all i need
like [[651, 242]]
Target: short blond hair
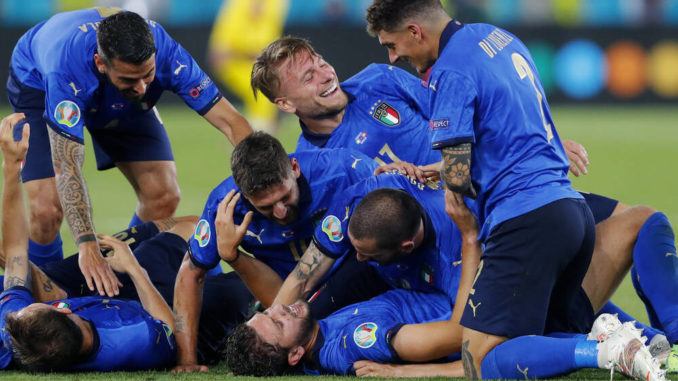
[[264, 76]]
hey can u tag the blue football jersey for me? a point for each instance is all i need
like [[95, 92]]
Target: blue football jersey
[[12, 300], [435, 266], [383, 118], [126, 338], [363, 331], [57, 57], [484, 89], [324, 174]]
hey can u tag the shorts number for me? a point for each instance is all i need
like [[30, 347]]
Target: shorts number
[[524, 70]]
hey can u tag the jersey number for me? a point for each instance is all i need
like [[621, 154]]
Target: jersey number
[[524, 70], [388, 152]]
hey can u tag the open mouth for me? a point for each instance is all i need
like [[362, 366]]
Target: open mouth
[[330, 91]]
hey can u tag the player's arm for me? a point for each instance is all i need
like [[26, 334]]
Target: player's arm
[[305, 276], [68, 157], [456, 169], [14, 221], [372, 369], [122, 259], [187, 304], [259, 278], [229, 121]]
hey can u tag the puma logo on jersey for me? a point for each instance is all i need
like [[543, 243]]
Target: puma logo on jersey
[[348, 209], [523, 371], [75, 90], [180, 68], [672, 255], [355, 161], [474, 308], [249, 233], [456, 263]]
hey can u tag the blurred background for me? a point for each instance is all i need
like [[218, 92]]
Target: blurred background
[[610, 69]]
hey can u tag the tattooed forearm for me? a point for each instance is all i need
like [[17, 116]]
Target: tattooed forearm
[[17, 273], [308, 264], [179, 324], [165, 224], [68, 157], [470, 370], [456, 170]]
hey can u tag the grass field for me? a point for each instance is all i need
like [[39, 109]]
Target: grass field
[[633, 152]]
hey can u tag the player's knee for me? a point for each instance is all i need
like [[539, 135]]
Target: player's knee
[[162, 205], [45, 217], [640, 214]]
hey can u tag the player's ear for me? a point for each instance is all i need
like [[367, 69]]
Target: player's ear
[[295, 355], [100, 64], [415, 31], [295, 168], [407, 246], [284, 105]]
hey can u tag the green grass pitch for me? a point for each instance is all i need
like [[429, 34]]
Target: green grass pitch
[[633, 152]]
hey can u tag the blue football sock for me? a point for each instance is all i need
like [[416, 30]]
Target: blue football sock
[[656, 265], [539, 357], [651, 315], [135, 221], [42, 254], [611, 308]]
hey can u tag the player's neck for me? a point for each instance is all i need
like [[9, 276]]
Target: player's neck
[[437, 31], [324, 125], [308, 348], [87, 337]]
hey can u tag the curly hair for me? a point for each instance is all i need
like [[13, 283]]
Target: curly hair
[[388, 15], [248, 355], [45, 340]]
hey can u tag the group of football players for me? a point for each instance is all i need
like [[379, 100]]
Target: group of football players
[[423, 226]]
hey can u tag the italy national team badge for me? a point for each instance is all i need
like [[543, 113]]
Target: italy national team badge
[[427, 274], [67, 113], [202, 233], [365, 335], [332, 227], [60, 305], [386, 114]]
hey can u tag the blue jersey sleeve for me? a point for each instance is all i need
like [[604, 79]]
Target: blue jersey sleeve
[[188, 80], [11, 300], [63, 108], [452, 104], [202, 245]]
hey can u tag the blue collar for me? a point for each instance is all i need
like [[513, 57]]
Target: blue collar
[[452, 27], [319, 140]]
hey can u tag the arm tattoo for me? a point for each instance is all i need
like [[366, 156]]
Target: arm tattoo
[[306, 268], [68, 157], [470, 370], [17, 273], [457, 169], [165, 224], [179, 324]]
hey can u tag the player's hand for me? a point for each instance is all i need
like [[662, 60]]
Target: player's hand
[[97, 271], [365, 368], [579, 158], [403, 167], [432, 171], [229, 235], [120, 258], [190, 368], [14, 152], [456, 208]]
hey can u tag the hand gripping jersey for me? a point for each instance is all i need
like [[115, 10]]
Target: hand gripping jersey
[[383, 118], [484, 89], [57, 57], [324, 174], [126, 337], [364, 331], [435, 266]]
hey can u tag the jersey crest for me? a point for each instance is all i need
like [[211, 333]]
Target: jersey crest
[[332, 227], [386, 114], [67, 113], [365, 335], [202, 233]]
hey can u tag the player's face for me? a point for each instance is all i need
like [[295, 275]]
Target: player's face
[[368, 250], [284, 326], [404, 45], [279, 202], [309, 87], [131, 80]]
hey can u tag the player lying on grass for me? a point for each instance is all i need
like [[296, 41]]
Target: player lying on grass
[[384, 329], [291, 74], [283, 198], [421, 252], [88, 333]]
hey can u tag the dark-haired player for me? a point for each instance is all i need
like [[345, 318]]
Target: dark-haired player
[[104, 69]]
